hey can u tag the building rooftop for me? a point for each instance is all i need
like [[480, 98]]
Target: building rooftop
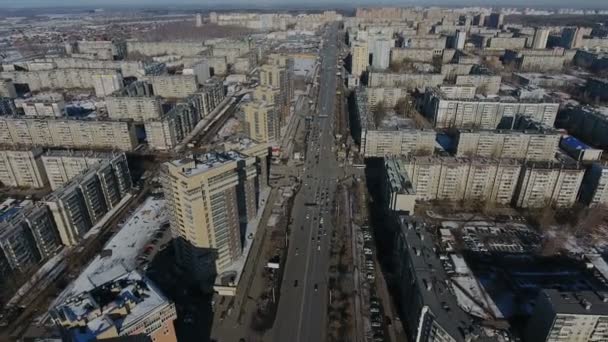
[[120, 253], [397, 176], [117, 304], [199, 163], [578, 303], [433, 282]]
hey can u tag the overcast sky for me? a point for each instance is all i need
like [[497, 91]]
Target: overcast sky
[[249, 3]]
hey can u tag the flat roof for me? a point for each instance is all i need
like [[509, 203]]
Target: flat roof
[[578, 303]]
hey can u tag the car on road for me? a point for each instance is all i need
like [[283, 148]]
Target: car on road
[[316, 287], [295, 283]]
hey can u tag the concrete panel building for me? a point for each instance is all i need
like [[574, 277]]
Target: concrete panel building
[[541, 36], [173, 86], [22, 168], [455, 179], [61, 166], [486, 84], [587, 123], [166, 48], [555, 183], [27, 236], [166, 132], [52, 105], [594, 190], [136, 102], [538, 145], [209, 197], [381, 52], [67, 133], [104, 81], [400, 195], [568, 316], [208, 97], [486, 112], [84, 200], [406, 81]]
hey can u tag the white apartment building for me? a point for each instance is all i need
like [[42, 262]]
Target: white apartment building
[[106, 84], [485, 112], [456, 179], [549, 183], [67, 133], [594, 190], [529, 145]]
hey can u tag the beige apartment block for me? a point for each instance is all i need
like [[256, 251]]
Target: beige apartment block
[[360, 57], [173, 86], [61, 166], [262, 122], [209, 196], [22, 168]]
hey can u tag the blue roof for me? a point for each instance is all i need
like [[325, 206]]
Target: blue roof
[[573, 143], [8, 213]]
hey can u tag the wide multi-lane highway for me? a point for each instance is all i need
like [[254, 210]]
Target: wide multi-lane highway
[[302, 311]]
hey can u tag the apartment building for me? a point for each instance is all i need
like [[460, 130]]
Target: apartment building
[[106, 84], [406, 81], [127, 68], [67, 133], [428, 304], [49, 106], [98, 49], [594, 190], [208, 97], [486, 112], [278, 75], [262, 121], [588, 123], [553, 183], [455, 179], [397, 187], [421, 55], [104, 81], [7, 88], [381, 52], [536, 145], [137, 102], [360, 57], [541, 36], [388, 96], [568, 316], [426, 42], [210, 196], [168, 131], [173, 86], [486, 84], [167, 48], [129, 305], [27, 236], [61, 166], [252, 148], [383, 141], [84, 200], [22, 168]]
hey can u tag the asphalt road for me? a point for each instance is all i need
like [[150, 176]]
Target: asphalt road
[[302, 311]]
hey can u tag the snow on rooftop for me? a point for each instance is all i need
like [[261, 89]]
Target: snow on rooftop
[[124, 248]]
